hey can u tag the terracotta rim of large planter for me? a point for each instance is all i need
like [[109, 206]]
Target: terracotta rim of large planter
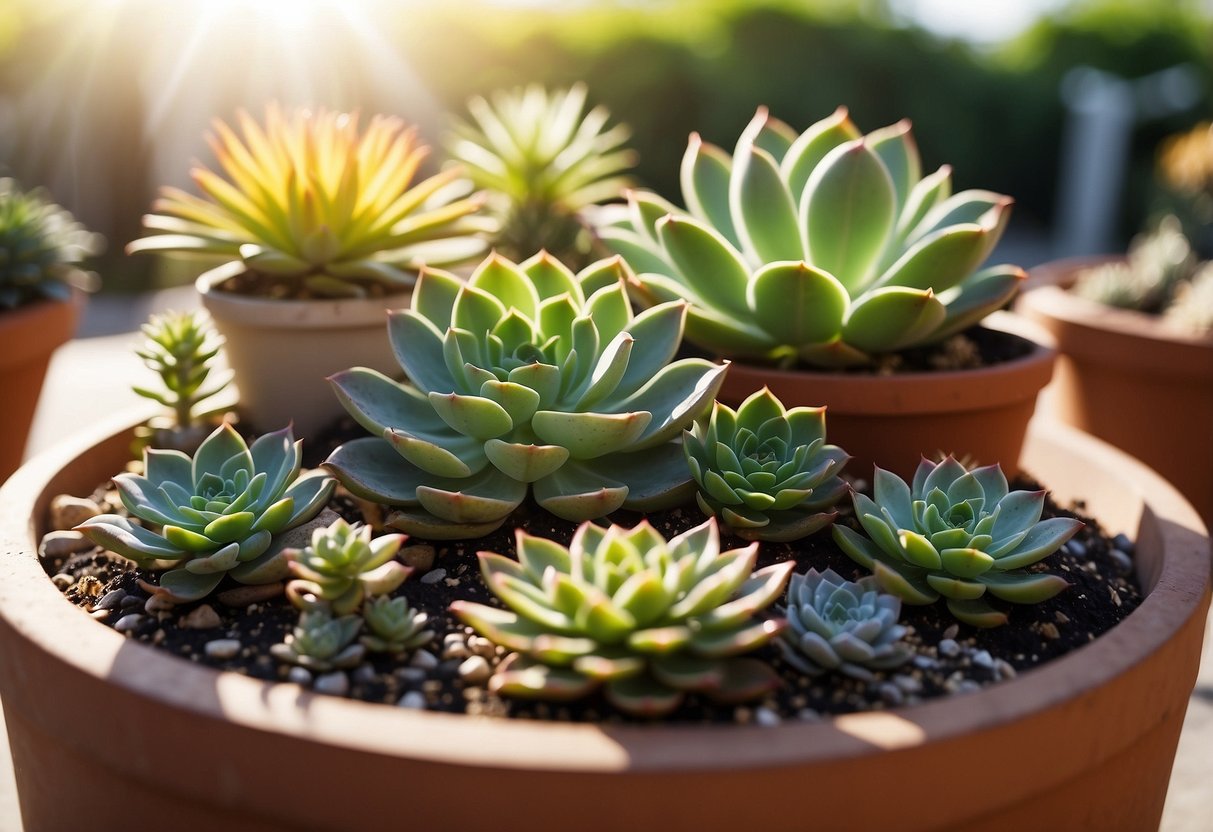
[[34, 611]]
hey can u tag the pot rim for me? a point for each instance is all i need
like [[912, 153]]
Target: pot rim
[[32, 607], [39, 327]]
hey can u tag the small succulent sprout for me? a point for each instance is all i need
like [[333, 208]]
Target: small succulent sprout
[[394, 626], [181, 347], [625, 610], [318, 207], [342, 565], [840, 625], [41, 246], [766, 472], [215, 514], [958, 534], [541, 160], [321, 643], [525, 378], [827, 247]]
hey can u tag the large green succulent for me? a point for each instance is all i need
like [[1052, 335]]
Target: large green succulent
[[648, 619], [215, 514], [957, 534], [826, 247], [41, 246], [525, 376], [765, 471], [542, 160]]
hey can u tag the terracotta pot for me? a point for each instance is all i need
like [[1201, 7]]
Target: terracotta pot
[[282, 351], [101, 726], [1125, 377], [28, 337], [981, 415]]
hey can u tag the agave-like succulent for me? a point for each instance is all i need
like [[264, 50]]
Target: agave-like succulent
[[318, 206], [765, 471], [180, 348], [648, 620], [524, 377], [321, 643], [215, 514], [41, 246], [394, 626], [343, 565], [542, 160], [847, 626], [958, 534], [826, 247]]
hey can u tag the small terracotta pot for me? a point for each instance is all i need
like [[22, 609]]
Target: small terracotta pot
[[893, 421], [1127, 378], [99, 723], [281, 351], [28, 335]]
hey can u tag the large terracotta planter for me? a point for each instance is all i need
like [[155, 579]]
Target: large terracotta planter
[[282, 351], [980, 415], [102, 727], [1125, 377], [28, 337]]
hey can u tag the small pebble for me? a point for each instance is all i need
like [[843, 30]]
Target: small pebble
[[924, 662], [982, 658], [1004, 670], [908, 684], [424, 659], [411, 675], [202, 617], [948, 647], [808, 715], [1124, 544], [1060, 617], [1122, 562], [63, 543], [967, 686], [100, 615], [475, 670], [413, 699], [333, 684], [890, 693], [766, 717], [433, 576], [952, 631], [299, 675], [1076, 548], [111, 600], [364, 674], [131, 601], [222, 648], [67, 511], [1049, 630], [157, 603], [128, 622], [481, 646], [420, 557], [242, 596]]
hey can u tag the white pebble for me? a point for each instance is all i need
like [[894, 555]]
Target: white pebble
[[982, 658], [949, 647], [67, 511], [433, 576], [475, 671], [63, 543], [222, 648], [413, 699], [424, 659], [128, 622], [334, 684], [766, 717], [300, 676]]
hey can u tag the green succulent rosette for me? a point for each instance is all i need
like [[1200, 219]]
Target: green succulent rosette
[[765, 471], [647, 620], [215, 514], [525, 378], [41, 247], [343, 565], [826, 247], [957, 534]]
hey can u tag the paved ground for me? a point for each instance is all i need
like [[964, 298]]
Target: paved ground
[[91, 377]]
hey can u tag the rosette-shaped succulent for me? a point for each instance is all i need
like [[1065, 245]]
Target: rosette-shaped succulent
[[524, 377], [1192, 311], [836, 624], [766, 472], [215, 514], [826, 247], [321, 643], [41, 246], [648, 619], [394, 626], [318, 207], [343, 565], [957, 534], [542, 160]]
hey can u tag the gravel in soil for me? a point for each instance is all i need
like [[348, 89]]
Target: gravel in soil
[[234, 629]]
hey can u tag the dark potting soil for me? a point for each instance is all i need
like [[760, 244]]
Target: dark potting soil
[[235, 633]]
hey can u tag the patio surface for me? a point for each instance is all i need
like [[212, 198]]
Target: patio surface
[[90, 378]]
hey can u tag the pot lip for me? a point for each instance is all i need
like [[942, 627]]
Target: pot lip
[[35, 611], [1046, 295], [272, 313]]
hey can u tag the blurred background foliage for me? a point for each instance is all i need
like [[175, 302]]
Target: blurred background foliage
[[102, 136]]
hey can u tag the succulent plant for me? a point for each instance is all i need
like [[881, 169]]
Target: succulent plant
[[321, 643], [542, 161], [1159, 263], [957, 534], [623, 609], [319, 208], [826, 247], [215, 514], [41, 246], [394, 626], [524, 377], [343, 565], [847, 626], [1192, 309], [766, 472], [180, 348]]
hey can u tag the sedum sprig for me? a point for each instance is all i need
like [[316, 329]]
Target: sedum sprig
[[181, 347]]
